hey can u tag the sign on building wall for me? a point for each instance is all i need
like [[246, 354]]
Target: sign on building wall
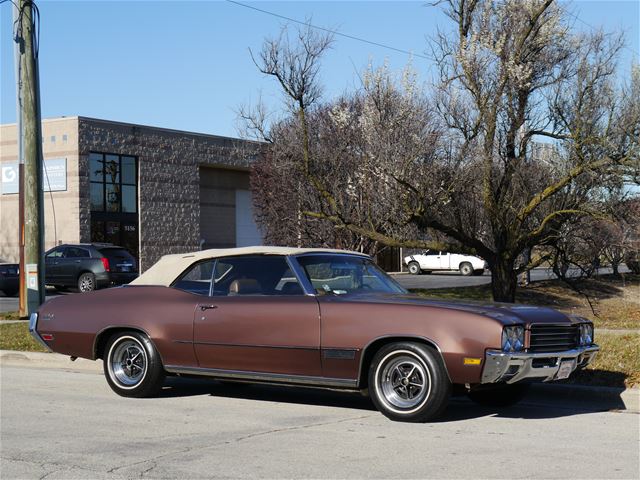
[[54, 177]]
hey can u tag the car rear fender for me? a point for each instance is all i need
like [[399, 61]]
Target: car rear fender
[[102, 337], [372, 347]]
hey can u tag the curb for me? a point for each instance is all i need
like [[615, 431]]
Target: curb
[[47, 360], [545, 394]]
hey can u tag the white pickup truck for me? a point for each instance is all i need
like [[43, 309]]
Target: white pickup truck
[[431, 261]]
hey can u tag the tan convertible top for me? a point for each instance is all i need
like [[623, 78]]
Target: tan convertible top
[[167, 269]]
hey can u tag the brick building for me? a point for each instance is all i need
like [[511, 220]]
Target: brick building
[[152, 190]]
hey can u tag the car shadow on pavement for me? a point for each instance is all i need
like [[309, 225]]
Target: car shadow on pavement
[[461, 408], [186, 387], [533, 407]]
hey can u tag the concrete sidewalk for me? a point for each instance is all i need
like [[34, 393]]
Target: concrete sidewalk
[[553, 394]]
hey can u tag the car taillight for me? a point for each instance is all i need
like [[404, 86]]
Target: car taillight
[[105, 264]]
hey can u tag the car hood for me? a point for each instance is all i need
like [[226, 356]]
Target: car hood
[[506, 313]]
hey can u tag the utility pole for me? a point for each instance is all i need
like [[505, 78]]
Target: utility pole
[[31, 230]]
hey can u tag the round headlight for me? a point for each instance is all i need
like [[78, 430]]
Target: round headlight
[[586, 334], [513, 339]]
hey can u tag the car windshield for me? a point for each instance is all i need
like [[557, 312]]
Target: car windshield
[[345, 274]]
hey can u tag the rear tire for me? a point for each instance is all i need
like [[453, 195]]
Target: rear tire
[[503, 395], [86, 282], [466, 269], [132, 365], [408, 382], [414, 268]]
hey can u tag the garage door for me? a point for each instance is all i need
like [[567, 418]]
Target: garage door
[[247, 233], [226, 218]]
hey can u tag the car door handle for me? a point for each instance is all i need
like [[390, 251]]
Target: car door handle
[[207, 307], [77, 261]]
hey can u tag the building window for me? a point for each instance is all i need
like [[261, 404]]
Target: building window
[[114, 183]]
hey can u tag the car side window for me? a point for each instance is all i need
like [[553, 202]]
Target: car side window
[[75, 252], [196, 279], [255, 275], [55, 253]]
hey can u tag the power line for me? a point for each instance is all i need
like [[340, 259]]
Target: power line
[[370, 42], [333, 32]]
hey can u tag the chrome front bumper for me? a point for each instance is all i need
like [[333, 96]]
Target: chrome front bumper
[[507, 367], [33, 323]]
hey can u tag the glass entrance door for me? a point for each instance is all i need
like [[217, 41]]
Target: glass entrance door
[[123, 233], [114, 200]]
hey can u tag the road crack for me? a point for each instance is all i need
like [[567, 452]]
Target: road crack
[[226, 442], [298, 427]]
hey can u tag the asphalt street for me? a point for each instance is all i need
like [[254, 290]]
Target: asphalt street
[[68, 424], [454, 279], [10, 304]]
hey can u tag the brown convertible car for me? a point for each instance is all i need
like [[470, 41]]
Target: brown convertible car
[[314, 317]]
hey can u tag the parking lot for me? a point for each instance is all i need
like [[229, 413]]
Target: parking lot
[[65, 423]]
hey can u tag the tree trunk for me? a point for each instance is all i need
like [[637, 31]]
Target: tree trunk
[[614, 266], [504, 281]]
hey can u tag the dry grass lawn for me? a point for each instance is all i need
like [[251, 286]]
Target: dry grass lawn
[[15, 336], [617, 363]]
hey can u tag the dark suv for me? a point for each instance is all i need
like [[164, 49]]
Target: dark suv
[[89, 266]]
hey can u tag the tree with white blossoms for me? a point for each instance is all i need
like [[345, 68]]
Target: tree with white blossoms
[[525, 130]]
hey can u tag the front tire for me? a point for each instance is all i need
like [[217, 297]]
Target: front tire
[[414, 268], [466, 269], [132, 365], [408, 382], [503, 395]]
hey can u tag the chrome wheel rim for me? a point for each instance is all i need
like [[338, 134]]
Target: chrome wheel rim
[[466, 269], [404, 381], [413, 269], [86, 283], [127, 362]]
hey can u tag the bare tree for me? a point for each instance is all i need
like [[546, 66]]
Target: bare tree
[[360, 146], [525, 131]]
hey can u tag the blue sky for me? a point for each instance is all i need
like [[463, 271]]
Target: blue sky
[[185, 65]]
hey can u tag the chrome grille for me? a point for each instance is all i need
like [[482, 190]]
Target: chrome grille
[[553, 338]]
